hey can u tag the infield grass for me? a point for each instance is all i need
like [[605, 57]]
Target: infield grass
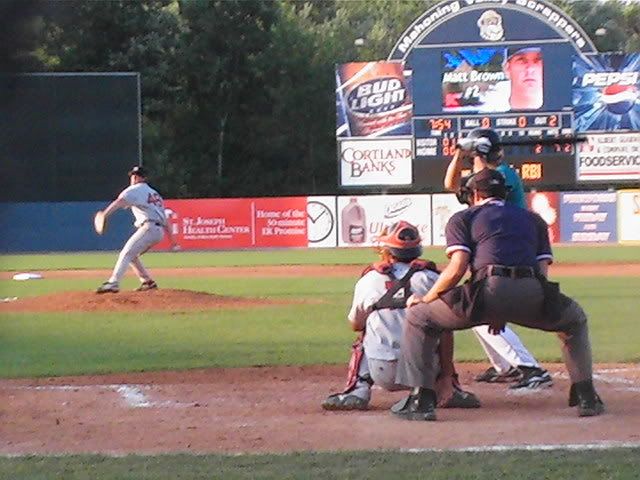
[[53, 344], [613, 464]]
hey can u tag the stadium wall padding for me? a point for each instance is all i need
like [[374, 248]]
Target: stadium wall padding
[[60, 227]]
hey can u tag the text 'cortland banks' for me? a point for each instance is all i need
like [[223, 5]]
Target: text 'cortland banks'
[[384, 160]]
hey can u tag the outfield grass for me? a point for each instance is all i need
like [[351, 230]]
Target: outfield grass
[[615, 464], [320, 256]]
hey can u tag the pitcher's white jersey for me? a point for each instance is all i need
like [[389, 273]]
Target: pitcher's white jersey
[[146, 204], [384, 327]]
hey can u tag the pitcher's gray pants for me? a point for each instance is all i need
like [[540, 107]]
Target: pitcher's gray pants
[[519, 301], [142, 240]]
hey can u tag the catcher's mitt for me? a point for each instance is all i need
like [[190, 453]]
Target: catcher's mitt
[[99, 222]]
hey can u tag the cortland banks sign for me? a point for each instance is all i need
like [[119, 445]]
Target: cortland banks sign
[[490, 23], [381, 161]]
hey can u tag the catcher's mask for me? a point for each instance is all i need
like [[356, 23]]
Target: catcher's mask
[[402, 240]]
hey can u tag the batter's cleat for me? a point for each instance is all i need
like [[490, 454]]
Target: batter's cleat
[[461, 399], [491, 375], [585, 397], [419, 406], [345, 401], [532, 378], [148, 285], [108, 287]]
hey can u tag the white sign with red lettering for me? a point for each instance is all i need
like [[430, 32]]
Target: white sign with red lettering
[[609, 156]]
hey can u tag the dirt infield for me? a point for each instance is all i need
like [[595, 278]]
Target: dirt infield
[[278, 410]]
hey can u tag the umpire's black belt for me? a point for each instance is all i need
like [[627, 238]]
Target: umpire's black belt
[[509, 272]]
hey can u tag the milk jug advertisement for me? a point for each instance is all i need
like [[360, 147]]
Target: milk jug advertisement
[[362, 218]]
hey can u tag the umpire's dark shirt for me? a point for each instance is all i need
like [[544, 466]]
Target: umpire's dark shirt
[[496, 233]]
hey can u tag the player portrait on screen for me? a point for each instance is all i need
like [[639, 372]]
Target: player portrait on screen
[[486, 80], [524, 68]]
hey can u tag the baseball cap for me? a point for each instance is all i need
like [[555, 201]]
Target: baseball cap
[[488, 180], [512, 51], [138, 170]]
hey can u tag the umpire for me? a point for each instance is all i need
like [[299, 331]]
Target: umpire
[[508, 252]]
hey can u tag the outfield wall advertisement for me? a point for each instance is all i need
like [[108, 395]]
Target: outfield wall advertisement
[[362, 218], [609, 156], [547, 205], [443, 206], [588, 217], [629, 215], [237, 223]]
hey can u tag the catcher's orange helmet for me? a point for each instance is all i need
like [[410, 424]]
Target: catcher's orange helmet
[[403, 241]]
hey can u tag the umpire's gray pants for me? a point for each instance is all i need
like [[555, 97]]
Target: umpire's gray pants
[[520, 301]]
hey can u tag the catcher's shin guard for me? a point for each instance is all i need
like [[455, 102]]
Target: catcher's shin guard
[[353, 372]]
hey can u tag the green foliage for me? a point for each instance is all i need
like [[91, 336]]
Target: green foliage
[[238, 96]]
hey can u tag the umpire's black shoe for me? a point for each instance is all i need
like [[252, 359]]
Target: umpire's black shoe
[[420, 405], [585, 397]]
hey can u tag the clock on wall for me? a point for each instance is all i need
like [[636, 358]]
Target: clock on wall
[[320, 221]]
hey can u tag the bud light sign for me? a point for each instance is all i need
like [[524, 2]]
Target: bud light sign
[[606, 92], [373, 99]]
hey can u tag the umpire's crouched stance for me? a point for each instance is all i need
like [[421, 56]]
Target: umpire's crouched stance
[[507, 249]]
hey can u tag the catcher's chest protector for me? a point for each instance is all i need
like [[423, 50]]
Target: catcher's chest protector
[[389, 299]]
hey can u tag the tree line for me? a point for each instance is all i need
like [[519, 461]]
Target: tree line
[[238, 95]]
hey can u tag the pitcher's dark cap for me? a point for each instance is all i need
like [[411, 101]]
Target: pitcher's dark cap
[[138, 170]]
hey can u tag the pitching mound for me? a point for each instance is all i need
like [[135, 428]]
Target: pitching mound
[[154, 300]]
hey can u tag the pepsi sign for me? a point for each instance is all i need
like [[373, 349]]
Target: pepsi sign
[[606, 92]]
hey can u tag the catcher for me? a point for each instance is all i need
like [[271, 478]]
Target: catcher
[[148, 209], [378, 313]]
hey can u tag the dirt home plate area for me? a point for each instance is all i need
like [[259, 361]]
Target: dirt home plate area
[[277, 409]]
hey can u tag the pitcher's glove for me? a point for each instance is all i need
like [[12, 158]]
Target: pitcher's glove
[[99, 222]]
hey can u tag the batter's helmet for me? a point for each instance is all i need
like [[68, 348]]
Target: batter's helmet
[[491, 143], [402, 240]]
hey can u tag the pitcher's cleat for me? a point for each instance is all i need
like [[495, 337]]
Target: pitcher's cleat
[[148, 285], [108, 287]]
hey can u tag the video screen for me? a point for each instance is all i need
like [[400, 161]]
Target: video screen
[[479, 80]]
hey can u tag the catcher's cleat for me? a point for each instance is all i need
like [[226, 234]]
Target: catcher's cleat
[[532, 378], [420, 406], [148, 285], [345, 401], [108, 287], [585, 397], [491, 375], [461, 399]]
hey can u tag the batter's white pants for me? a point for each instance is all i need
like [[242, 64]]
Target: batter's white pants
[[142, 240], [504, 350]]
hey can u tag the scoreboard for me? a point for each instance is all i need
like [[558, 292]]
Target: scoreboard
[[529, 143]]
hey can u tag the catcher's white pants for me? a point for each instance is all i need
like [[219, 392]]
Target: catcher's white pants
[[142, 240], [504, 350]]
